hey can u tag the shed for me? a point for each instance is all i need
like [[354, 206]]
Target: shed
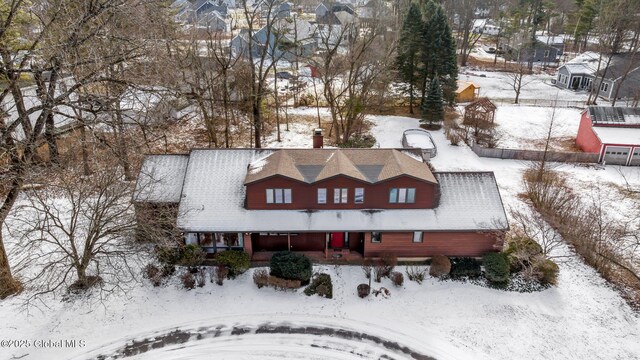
[[467, 91], [611, 132]]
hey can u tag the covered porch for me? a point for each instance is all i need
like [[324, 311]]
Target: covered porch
[[336, 245]]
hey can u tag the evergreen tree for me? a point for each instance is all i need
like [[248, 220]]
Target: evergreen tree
[[432, 105], [409, 46], [438, 51]]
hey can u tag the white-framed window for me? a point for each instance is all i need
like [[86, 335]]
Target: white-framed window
[[546, 54], [358, 196], [279, 196], [402, 195], [322, 196], [417, 236], [604, 87], [340, 195], [376, 237]]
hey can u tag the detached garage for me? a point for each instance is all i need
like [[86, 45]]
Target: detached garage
[[611, 132]]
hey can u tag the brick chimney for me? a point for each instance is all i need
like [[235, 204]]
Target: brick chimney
[[318, 140]]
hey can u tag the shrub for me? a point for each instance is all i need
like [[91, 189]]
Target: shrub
[[168, 255], [397, 278], [188, 281], [496, 267], [363, 290], [151, 271], [291, 266], [261, 278], [546, 271], [237, 261], [440, 266], [416, 273], [385, 266], [359, 141], [521, 251], [221, 273], [200, 277], [320, 285], [284, 284], [367, 268], [465, 267], [168, 270], [191, 255]]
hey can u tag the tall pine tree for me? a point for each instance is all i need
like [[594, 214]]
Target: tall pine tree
[[432, 105], [409, 47]]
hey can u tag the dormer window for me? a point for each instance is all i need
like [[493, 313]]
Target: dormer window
[[358, 197], [278, 196], [340, 195], [402, 195], [322, 196]]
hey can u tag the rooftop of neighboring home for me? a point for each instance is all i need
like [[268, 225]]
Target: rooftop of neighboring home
[[587, 63], [209, 185]]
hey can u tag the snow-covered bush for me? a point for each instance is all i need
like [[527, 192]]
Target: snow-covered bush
[[465, 267], [200, 277], [261, 278], [385, 266], [416, 273], [221, 273], [320, 285], [440, 266], [521, 251], [291, 266], [397, 278], [188, 281], [237, 261], [545, 270], [364, 290], [496, 267]]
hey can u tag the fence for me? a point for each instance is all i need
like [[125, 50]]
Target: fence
[[535, 155], [541, 102]]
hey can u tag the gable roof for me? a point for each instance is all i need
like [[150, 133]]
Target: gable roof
[[213, 195], [161, 178], [607, 115], [462, 85], [313, 165]]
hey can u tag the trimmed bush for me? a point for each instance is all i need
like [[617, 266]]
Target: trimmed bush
[[261, 278], [200, 277], [221, 273], [397, 278], [283, 284], [465, 267], [188, 281], [521, 251], [291, 266], [416, 273], [320, 285], [385, 266], [496, 267], [363, 290], [237, 261], [440, 266], [191, 255], [168, 255]]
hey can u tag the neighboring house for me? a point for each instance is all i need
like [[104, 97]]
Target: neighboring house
[[467, 91], [147, 106], [611, 132], [540, 53], [321, 11], [580, 74], [212, 14], [215, 22], [299, 38], [274, 9], [240, 44], [327, 203], [327, 16], [486, 27]]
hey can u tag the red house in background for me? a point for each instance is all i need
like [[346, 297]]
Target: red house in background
[[611, 132], [327, 203]]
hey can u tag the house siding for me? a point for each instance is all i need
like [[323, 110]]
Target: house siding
[[586, 138], [401, 244], [304, 196]]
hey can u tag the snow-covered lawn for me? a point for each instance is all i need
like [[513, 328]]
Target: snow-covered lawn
[[581, 318], [497, 85]]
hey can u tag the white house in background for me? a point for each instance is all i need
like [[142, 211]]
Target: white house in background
[[151, 106], [486, 27]]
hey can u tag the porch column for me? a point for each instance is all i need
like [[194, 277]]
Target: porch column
[[289, 241], [248, 247]]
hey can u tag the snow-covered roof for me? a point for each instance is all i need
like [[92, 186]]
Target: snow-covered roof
[[621, 116], [462, 85], [618, 135], [312, 165], [161, 178], [551, 39], [213, 196]]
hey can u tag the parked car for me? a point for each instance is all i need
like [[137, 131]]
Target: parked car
[[420, 139], [283, 75]]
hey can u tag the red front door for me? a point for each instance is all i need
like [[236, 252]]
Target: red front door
[[337, 240]]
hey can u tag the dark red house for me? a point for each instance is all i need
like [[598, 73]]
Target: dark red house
[[331, 203], [611, 132]]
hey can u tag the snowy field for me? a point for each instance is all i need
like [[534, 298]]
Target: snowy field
[[497, 86], [581, 318], [526, 127]]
